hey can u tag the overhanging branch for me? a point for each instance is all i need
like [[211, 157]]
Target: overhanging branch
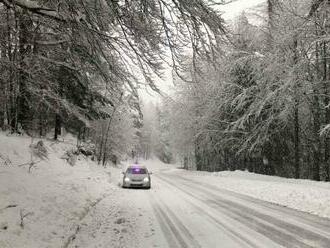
[[34, 8]]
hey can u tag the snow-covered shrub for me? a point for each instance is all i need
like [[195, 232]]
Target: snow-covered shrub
[[39, 150], [71, 156]]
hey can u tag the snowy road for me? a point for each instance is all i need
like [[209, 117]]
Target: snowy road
[[181, 211], [213, 217]]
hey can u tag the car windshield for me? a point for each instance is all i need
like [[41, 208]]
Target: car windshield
[[136, 170]]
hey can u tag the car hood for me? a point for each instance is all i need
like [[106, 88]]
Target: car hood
[[137, 176]]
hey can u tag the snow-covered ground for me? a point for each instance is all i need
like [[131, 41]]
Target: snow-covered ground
[[59, 205], [53, 199], [304, 195]]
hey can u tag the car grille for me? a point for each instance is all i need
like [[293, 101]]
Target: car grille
[[136, 180]]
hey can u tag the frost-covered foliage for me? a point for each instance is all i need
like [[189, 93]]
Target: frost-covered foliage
[[65, 62], [116, 136], [155, 133], [265, 105]]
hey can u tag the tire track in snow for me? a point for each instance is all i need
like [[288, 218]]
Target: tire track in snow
[[193, 242], [166, 230], [304, 218], [236, 236], [176, 234], [277, 230], [318, 230]]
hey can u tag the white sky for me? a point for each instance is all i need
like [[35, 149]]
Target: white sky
[[230, 11], [233, 9]]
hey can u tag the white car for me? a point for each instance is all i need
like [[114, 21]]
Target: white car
[[137, 176]]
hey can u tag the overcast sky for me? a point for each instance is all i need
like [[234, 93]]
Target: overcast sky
[[233, 9]]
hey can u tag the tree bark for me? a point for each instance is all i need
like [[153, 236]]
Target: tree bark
[[296, 116], [24, 115], [296, 143], [327, 112], [58, 126], [317, 142]]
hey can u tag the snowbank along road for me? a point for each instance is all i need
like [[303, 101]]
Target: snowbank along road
[[183, 211]]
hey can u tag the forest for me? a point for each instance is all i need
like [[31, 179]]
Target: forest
[[263, 106], [252, 94], [78, 65]]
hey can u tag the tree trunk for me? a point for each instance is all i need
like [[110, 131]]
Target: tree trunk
[[24, 114], [198, 157], [58, 126], [271, 13], [327, 112], [317, 142], [41, 126], [296, 115], [296, 143]]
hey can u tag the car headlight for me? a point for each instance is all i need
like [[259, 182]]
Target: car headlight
[[146, 179], [126, 179]]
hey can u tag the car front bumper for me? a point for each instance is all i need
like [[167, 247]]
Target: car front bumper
[[136, 184]]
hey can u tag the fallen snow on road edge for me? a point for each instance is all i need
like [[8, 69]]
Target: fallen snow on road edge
[[300, 194]]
